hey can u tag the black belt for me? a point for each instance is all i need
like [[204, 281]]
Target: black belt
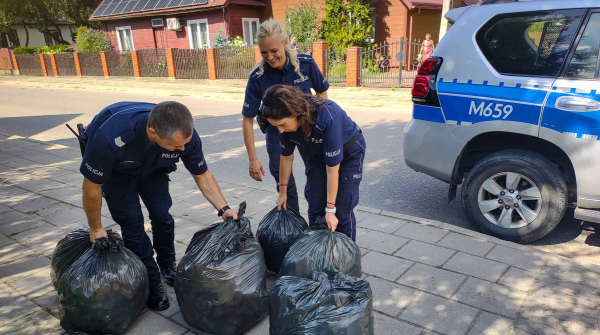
[[353, 139]]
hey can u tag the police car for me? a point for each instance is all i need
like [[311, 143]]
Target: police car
[[509, 107]]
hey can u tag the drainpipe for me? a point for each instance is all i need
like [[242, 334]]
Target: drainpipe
[[409, 55], [226, 23]]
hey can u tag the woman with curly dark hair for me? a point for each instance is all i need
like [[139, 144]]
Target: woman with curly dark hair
[[332, 147]]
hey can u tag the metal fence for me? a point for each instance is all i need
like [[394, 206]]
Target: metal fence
[[336, 66], [305, 48], [385, 65], [190, 63], [91, 65], [235, 62], [65, 64], [153, 63], [29, 65], [119, 63]]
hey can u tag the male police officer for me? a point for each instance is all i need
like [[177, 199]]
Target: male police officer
[[130, 145]]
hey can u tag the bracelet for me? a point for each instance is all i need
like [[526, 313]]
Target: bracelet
[[283, 184], [330, 210], [331, 203], [223, 210]]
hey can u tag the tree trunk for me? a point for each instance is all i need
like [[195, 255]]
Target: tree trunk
[[26, 36]]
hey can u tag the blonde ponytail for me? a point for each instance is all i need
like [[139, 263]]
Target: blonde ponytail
[[275, 28]]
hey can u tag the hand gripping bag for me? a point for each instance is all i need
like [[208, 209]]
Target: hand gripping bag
[[319, 306], [104, 290], [276, 233], [67, 251], [319, 249], [221, 279]]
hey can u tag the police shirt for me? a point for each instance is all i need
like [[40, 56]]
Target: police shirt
[[117, 142], [257, 86], [331, 129]]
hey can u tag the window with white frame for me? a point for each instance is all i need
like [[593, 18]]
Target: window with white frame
[[250, 30], [125, 38], [198, 34]]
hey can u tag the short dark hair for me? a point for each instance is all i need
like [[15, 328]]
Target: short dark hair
[[171, 117]]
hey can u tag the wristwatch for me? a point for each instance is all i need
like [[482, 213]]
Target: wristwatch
[[330, 210], [223, 210]]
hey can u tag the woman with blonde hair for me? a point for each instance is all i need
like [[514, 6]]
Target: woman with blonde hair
[[279, 65]]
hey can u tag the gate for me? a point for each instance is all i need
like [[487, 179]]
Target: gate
[[235, 62], [65, 64], [153, 63], [91, 65], [336, 66], [30, 65], [385, 65], [119, 63], [190, 63]]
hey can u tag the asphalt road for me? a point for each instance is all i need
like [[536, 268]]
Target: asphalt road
[[388, 184]]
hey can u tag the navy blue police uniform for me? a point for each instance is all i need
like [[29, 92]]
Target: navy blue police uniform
[[334, 139], [119, 156], [256, 88]]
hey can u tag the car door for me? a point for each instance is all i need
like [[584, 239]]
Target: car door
[[571, 115]]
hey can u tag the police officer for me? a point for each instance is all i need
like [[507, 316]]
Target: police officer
[[280, 65], [130, 144], [332, 147]]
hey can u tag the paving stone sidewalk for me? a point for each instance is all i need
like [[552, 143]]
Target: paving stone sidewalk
[[427, 277]]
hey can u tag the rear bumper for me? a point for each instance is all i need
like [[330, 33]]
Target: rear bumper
[[430, 148]]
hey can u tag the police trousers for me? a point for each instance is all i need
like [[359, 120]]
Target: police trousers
[[122, 193], [347, 198], [274, 150]]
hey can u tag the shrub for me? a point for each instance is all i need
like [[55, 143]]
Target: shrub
[[91, 40], [302, 21], [25, 50]]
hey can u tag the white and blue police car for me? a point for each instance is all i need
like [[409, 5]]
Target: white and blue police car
[[509, 107]]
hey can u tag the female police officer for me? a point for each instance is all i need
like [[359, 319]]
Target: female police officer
[[333, 150], [280, 65]]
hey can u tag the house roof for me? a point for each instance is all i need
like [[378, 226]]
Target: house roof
[[471, 2], [423, 4], [119, 9]]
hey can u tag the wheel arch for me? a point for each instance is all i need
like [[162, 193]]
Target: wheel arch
[[485, 144]]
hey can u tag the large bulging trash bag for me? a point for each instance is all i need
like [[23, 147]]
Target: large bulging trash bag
[[221, 279], [319, 249], [104, 290], [319, 306], [276, 233], [67, 251]]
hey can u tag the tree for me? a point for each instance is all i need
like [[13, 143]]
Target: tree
[[220, 40], [346, 23], [302, 21], [46, 15]]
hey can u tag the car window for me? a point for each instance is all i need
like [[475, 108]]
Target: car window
[[585, 59], [531, 43]]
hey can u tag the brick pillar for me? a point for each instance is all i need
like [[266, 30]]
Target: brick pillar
[[257, 56], [104, 62], [53, 64], [77, 64], [353, 60], [319, 54], [136, 64], [171, 63], [15, 63], [211, 58], [43, 63]]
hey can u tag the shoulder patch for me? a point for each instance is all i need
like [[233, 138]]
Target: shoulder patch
[[119, 142], [305, 58]]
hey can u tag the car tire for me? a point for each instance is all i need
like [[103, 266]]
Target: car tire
[[519, 217]]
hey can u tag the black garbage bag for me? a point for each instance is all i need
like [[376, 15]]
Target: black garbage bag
[[221, 279], [104, 290], [319, 249], [67, 251], [319, 306], [276, 233]]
